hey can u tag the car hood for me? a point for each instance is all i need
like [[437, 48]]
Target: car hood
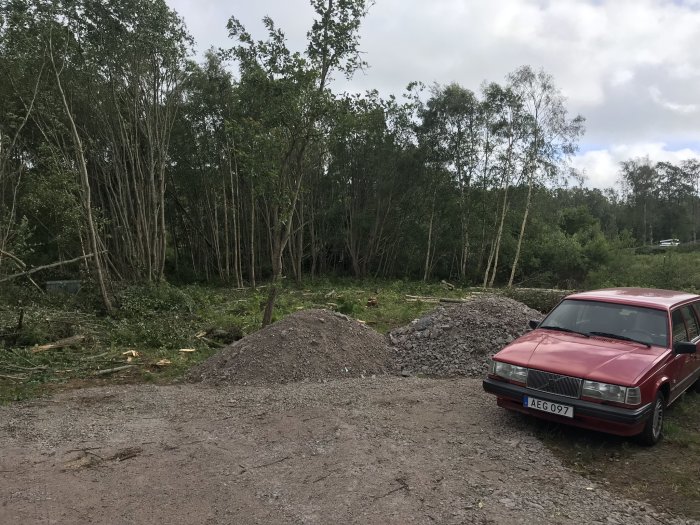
[[594, 358]]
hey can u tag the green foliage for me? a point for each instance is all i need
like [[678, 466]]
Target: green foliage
[[562, 254], [153, 299], [349, 306], [670, 270]]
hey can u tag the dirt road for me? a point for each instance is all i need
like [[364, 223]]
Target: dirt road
[[384, 450]]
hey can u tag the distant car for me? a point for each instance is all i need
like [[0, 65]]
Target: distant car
[[609, 360], [669, 242]]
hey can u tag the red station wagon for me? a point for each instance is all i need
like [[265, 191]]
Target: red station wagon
[[608, 360]]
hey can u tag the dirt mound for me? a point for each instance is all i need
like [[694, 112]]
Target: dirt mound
[[457, 340], [310, 345]]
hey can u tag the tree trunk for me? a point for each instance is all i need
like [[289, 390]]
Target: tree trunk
[[497, 241], [252, 236], [300, 240], [430, 239], [227, 250], [86, 194], [522, 234]]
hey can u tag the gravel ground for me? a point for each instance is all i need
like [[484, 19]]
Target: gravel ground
[[459, 339], [385, 450]]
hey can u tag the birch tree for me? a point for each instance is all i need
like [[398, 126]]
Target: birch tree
[[552, 137]]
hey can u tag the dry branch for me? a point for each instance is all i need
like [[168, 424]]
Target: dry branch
[[69, 341], [19, 262], [14, 378], [45, 267], [415, 298], [112, 370], [21, 265]]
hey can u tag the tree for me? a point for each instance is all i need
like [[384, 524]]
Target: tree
[[551, 136], [291, 98], [451, 130], [640, 179], [507, 128]]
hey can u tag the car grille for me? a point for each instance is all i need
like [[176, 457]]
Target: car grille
[[554, 383]]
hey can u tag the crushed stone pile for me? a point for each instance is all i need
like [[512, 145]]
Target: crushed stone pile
[[310, 345], [459, 339]]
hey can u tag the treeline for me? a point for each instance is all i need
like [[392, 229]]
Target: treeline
[[248, 166]]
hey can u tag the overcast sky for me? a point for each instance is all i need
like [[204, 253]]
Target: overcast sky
[[630, 67]]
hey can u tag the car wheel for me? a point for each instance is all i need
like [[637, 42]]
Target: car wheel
[[654, 428]]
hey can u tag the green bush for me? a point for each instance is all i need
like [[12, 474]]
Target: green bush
[[672, 270], [349, 306], [150, 299]]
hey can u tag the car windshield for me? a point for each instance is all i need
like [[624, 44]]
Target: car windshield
[[618, 321]]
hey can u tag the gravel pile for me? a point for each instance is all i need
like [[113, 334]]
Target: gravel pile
[[310, 345], [457, 340]]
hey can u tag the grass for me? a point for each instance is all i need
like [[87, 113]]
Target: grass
[[157, 321], [665, 475]]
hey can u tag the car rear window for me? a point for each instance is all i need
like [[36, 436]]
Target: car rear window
[[647, 325]]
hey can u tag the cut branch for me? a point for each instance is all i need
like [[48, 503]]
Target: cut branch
[[112, 370], [69, 341], [45, 267]]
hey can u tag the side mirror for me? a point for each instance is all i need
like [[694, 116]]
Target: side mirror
[[533, 323], [684, 347]]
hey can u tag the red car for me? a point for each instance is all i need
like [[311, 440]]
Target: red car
[[608, 360]]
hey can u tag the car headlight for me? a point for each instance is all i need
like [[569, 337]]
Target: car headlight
[[508, 371], [615, 393]]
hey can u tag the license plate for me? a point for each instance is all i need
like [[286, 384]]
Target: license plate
[[548, 406]]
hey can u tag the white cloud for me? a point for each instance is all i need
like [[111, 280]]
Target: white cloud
[[621, 76], [601, 167]]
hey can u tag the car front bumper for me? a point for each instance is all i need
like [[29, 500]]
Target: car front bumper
[[595, 416]]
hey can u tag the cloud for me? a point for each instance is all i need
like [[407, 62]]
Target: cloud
[[657, 97], [601, 167]]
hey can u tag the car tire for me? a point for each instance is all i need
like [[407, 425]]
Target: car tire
[[654, 427]]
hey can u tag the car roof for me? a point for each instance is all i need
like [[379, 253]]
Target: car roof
[[637, 296]]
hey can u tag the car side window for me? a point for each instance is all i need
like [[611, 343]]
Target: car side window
[[679, 332], [696, 308], [691, 322]]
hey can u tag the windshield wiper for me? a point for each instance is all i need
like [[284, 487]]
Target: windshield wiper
[[564, 329], [620, 337]]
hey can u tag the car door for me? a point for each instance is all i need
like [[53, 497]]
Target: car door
[[686, 327]]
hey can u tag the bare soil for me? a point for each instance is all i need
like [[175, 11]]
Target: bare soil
[[379, 450]]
